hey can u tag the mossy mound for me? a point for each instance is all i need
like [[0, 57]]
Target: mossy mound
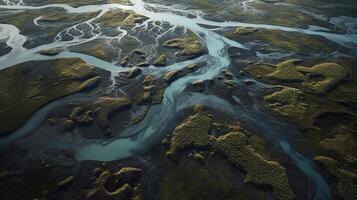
[[99, 48], [330, 73], [320, 107], [303, 109], [134, 72], [116, 18], [318, 79], [190, 46], [160, 61], [346, 180], [100, 111], [283, 41], [136, 58], [139, 117], [65, 182], [288, 102], [151, 89], [245, 30], [61, 16], [29, 86], [287, 71], [124, 2], [122, 185], [105, 107], [209, 179], [308, 93], [194, 132], [342, 145], [171, 76]]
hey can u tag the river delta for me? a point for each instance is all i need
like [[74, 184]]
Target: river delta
[[178, 100]]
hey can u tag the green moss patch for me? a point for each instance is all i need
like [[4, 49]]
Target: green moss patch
[[318, 79], [171, 76], [98, 48], [29, 86], [117, 18], [342, 145], [283, 41], [288, 102], [100, 111], [122, 185], [194, 131], [346, 180], [190, 46]]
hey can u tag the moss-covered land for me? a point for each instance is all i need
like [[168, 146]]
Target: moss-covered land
[[106, 107], [171, 76], [336, 138], [308, 92], [190, 46], [22, 19], [139, 117], [282, 41], [136, 58], [346, 186], [342, 145], [160, 61], [319, 78], [62, 16], [288, 102], [117, 18], [137, 90], [305, 110], [122, 185], [288, 13], [32, 85], [140, 91], [100, 111], [99, 48], [319, 100], [194, 132], [203, 179], [153, 88]]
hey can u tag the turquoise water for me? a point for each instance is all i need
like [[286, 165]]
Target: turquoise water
[[142, 136]]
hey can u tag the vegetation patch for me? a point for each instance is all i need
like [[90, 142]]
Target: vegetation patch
[[190, 46], [100, 111], [346, 180], [122, 185], [28, 88], [194, 132], [317, 79], [288, 102], [277, 40], [160, 61], [117, 18], [99, 48], [342, 145], [171, 76]]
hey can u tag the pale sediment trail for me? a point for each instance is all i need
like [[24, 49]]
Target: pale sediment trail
[[349, 40], [159, 117], [14, 39]]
